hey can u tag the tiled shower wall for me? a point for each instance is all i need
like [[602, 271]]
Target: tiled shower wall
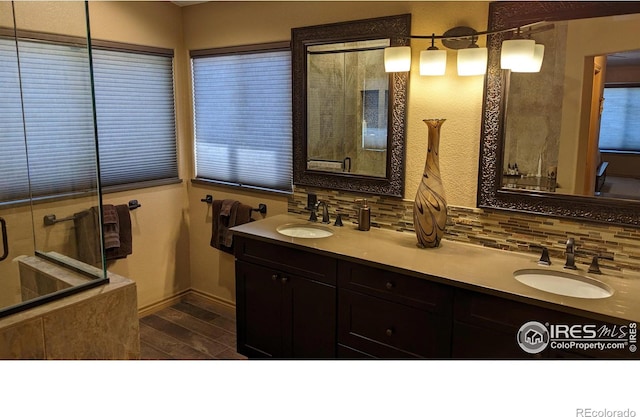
[[492, 228]]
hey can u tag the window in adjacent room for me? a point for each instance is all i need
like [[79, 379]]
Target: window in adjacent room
[[620, 122], [242, 116]]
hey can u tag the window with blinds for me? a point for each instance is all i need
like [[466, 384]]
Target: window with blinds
[[14, 179], [54, 111], [620, 121], [134, 109], [136, 116], [243, 122]]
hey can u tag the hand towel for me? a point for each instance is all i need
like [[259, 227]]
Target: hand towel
[[226, 214], [242, 215], [86, 225], [111, 226], [227, 205], [227, 235], [124, 235]]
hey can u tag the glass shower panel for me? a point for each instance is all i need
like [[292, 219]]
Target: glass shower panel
[[15, 212], [50, 191]]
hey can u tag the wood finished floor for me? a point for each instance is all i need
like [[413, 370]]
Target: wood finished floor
[[193, 329]]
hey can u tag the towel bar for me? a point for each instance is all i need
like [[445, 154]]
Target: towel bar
[[133, 204], [262, 208], [50, 219]]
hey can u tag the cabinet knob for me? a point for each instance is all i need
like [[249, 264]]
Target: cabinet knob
[[389, 285], [274, 277], [389, 332], [284, 280]]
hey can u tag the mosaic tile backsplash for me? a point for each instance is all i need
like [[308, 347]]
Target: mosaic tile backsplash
[[492, 228]]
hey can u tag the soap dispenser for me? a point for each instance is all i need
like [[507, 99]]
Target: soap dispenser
[[364, 215]]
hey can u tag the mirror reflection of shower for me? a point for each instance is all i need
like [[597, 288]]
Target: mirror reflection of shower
[[347, 108]]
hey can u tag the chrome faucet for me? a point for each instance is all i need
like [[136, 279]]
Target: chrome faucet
[[571, 254], [325, 211]]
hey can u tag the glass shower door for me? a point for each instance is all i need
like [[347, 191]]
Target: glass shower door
[[17, 226], [49, 176]]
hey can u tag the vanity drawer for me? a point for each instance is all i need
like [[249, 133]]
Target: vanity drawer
[[500, 319], [286, 259], [495, 312], [385, 329], [477, 342], [415, 292]]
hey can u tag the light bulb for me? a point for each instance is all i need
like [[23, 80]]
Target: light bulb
[[515, 51], [397, 59], [472, 61], [433, 61], [532, 65]]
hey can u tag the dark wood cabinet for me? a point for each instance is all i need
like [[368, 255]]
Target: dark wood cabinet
[[486, 327], [259, 311], [295, 303], [385, 314], [281, 314]]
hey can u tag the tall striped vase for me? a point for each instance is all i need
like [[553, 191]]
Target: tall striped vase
[[430, 205]]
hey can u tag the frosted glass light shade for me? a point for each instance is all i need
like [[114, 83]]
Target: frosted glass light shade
[[472, 61], [433, 62], [397, 59], [515, 51], [532, 65]]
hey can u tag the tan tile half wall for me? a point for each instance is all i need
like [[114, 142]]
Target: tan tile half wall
[[495, 229], [96, 323]]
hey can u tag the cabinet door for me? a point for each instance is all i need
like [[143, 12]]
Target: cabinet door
[[310, 314], [259, 311], [385, 329], [283, 316]]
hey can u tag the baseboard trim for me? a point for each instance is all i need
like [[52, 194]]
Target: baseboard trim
[[157, 306], [228, 307]]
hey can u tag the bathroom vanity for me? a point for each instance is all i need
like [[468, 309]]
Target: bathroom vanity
[[374, 294]]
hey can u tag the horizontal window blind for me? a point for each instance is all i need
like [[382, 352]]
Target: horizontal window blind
[[243, 122], [136, 116], [135, 119], [620, 121], [58, 121], [13, 167]]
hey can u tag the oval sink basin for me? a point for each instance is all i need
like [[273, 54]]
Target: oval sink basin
[[305, 231], [563, 283]]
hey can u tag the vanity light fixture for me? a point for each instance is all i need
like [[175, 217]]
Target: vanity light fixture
[[397, 59], [521, 54], [472, 60], [518, 54], [433, 61], [532, 64]]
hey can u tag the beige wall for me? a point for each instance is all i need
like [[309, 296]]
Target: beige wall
[[172, 229], [160, 261], [457, 99]]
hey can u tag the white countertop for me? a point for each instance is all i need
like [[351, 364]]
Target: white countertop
[[463, 265]]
